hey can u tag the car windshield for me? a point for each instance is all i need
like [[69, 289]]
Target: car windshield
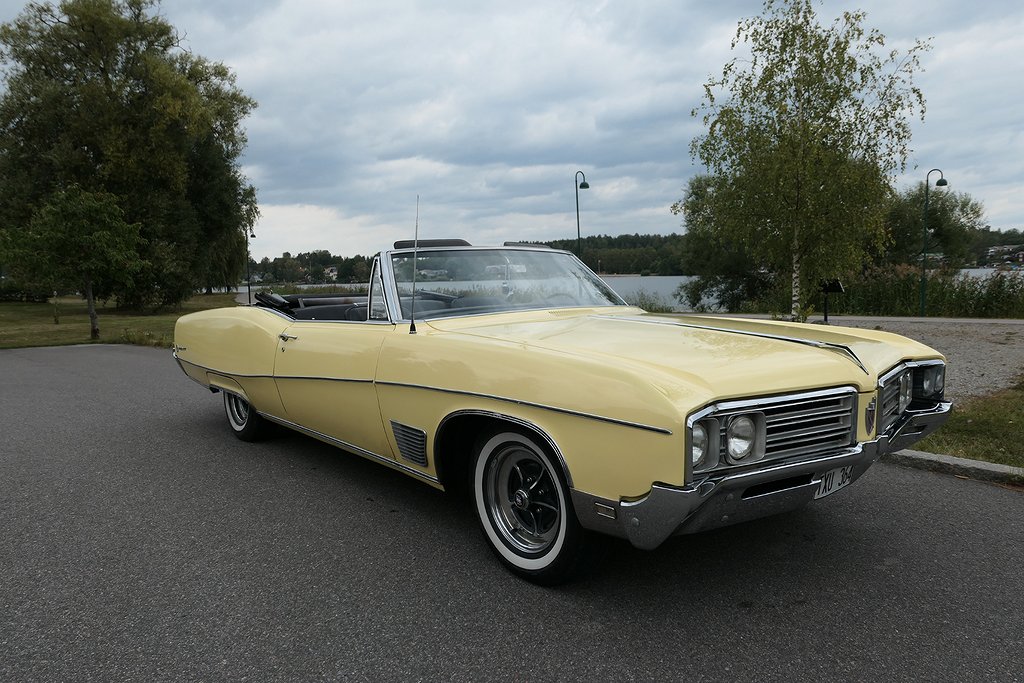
[[471, 281]]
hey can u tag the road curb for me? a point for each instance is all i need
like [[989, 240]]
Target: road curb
[[947, 464]]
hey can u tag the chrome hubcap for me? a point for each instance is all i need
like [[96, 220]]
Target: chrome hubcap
[[522, 499], [238, 411]]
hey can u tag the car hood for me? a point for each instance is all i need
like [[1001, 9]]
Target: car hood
[[723, 357]]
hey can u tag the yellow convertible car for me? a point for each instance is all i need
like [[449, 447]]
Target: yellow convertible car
[[518, 375]]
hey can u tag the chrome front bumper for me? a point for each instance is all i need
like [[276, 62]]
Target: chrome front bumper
[[727, 499]]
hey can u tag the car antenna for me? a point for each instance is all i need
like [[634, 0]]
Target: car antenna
[[415, 250]]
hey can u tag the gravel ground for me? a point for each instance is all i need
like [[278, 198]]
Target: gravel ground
[[983, 355]]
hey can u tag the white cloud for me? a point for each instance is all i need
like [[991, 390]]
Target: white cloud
[[486, 110]]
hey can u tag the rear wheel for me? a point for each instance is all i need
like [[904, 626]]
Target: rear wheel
[[245, 422], [525, 510]]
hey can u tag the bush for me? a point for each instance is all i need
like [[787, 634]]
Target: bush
[[14, 291], [896, 290], [652, 302], [892, 290]]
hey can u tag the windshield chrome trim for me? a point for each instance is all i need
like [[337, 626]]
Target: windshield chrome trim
[[393, 299], [382, 266], [507, 311], [422, 249]]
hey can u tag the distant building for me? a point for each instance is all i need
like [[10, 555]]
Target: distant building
[[999, 250], [331, 273]]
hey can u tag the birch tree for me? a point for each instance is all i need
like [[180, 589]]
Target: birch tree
[[805, 130]]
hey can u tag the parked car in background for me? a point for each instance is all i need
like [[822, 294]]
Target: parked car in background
[[516, 374]]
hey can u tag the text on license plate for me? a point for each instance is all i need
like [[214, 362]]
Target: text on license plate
[[834, 480]]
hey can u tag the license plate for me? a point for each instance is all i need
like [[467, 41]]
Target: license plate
[[834, 480]]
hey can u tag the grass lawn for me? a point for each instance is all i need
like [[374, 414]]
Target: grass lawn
[[987, 428], [23, 324]]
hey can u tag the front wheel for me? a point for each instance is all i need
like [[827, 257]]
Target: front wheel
[[245, 422], [525, 510]]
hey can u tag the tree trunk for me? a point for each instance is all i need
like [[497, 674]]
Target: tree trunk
[[794, 311], [94, 323]]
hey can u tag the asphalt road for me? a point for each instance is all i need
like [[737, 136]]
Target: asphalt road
[[141, 541]]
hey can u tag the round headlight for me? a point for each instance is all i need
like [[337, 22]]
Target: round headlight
[[740, 437], [699, 445], [940, 379], [928, 382]]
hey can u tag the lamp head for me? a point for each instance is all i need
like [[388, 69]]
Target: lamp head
[[941, 182], [584, 185]]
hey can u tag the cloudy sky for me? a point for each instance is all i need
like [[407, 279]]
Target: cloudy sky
[[486, 110]]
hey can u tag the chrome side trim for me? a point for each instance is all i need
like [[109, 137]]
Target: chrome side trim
[[518, 421], [829, 346], [275, 377], [351, 448], [221, 372], [530, 404], [564, 411], [325, 379], [296, 321], [180, 361]]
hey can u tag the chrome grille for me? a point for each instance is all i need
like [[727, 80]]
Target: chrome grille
[[801, 425], [412, 443], [809, 426]]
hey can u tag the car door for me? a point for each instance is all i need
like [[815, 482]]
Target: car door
[[324, 373]]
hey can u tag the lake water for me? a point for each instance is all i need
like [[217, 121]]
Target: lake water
[[660, 286], [664, 286]]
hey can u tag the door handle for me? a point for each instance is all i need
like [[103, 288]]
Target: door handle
[[285, 337]]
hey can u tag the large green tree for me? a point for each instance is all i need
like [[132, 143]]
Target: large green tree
[[99, 95], [804, 133]]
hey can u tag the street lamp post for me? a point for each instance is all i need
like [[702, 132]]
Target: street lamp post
[[248, 258], [941, 182], [581, 186]]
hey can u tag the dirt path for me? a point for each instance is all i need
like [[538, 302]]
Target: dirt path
[[983, 355]]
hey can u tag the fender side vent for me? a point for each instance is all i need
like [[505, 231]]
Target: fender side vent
[[412, 443]]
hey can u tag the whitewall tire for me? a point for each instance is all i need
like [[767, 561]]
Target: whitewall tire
[[243, 419], [524, 508]]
